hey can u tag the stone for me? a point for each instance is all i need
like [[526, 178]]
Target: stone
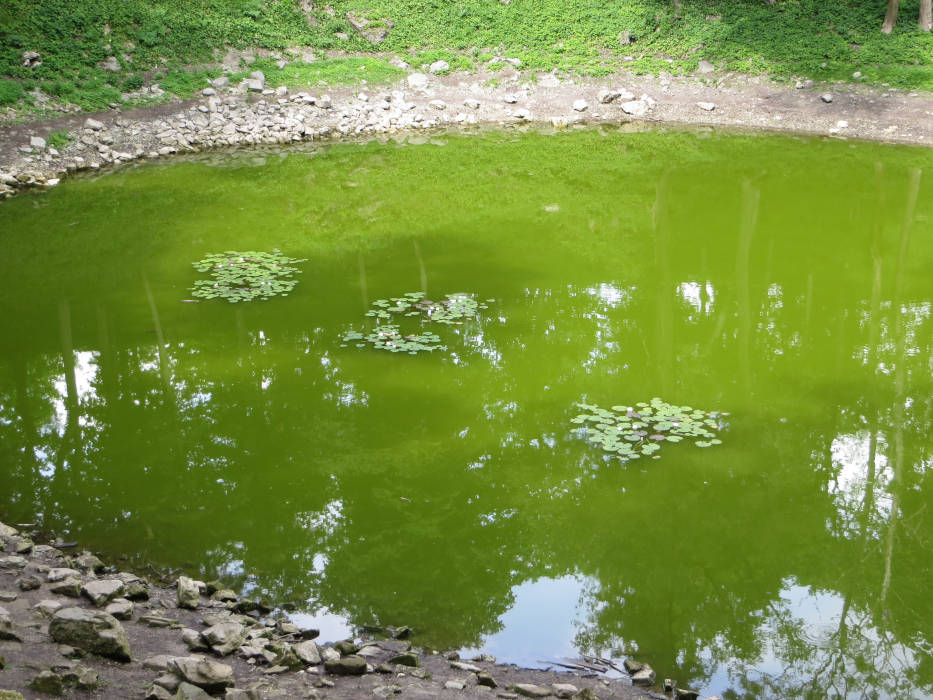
[[10, 695], [187, 691], [826, 97], [510, 98], [47, 608], [136, 590], [706, 106], [484, 679], [225, 638], [417, 81], [530, 690], [102, 591], [373, 32], [564, 690], [644, 676], [462, 666], [522, 114], [607, 96], [157, 692], [471, 102], [329, 654], [324, 102], [208, 92], [48, 683], [801, 84], [351, 665], [188, 594], [346, 647], [92, 631], [586, 694], [580, 105], [224, 595], [168, 681], [160, 662], [637, 108], [29, 583], [406, 659], [439, 67], [253, 85], [86, 560], [221, 82], [7, 628], [110, 64], [208, 675], [70, 587], [156, 620], [7, 530], [438, 104], [122, 609], [308, 652], [705, 67], [242, 694], [60, 574], [37, 142], [81, 678], [8, 596], [454, 685], [632, 666], [684, 694]]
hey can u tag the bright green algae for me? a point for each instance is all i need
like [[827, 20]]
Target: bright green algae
[[784, 281]]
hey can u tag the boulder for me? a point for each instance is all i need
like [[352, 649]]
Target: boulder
[[580, 105], [225, 638], [208, 675], [530, 690], [70, 587], [439, 67], [637, 108], [417, 81], [189, 595], [187, 691], [102, 591], [7, 628], [122, 609], [92, 631], [48, 683], [308, 652], [351, 665]]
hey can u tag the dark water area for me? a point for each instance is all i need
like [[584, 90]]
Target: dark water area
[[786, 281]]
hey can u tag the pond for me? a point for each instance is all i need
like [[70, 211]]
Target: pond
[[782, 281]]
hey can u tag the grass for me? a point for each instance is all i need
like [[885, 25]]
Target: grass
[[330, 72], [788, 38], [59, 139]]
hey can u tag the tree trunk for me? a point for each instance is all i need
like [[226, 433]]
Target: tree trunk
[[890, 17], [926, 16]]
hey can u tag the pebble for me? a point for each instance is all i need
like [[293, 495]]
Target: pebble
[[580, 105], [706, 106], [826, 97]]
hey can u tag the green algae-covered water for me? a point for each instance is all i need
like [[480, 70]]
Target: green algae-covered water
[[785, 281]]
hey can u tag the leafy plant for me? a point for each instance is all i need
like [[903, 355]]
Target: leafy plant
[[59, 139], [454, 309], [244, 276], [631, 432], [10, 92], [389, 337]]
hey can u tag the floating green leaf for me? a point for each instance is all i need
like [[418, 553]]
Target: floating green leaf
[[245, 275], [454, 309], [629, 432]]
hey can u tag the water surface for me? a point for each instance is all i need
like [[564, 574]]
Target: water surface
[[786, 281]]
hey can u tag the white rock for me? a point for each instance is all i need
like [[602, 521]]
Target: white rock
[[826, 97], [706, 106], [438, 104], [580, 105], [842, 124], [417, 81], [37, 142], [471, 102], [324, 102], [607, 96], [522, 114], [510, 99], [637, 108], [439, 67]]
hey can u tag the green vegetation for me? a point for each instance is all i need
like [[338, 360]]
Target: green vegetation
[[630, 432], [786, 38], [339, 71], [244, 276], [59, 139], [453, 310]]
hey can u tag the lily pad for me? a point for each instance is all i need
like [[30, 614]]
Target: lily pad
[[245, 275], [628, 434]]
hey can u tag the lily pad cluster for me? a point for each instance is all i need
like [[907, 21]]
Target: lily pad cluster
[[389, 337], [245, 275], [631, 432], [453, 309]]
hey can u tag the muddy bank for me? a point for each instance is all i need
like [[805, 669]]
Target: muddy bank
[[254, 112], [71, 625]]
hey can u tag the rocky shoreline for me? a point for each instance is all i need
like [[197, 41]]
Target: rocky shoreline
[[253, 112], [69, 625]]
